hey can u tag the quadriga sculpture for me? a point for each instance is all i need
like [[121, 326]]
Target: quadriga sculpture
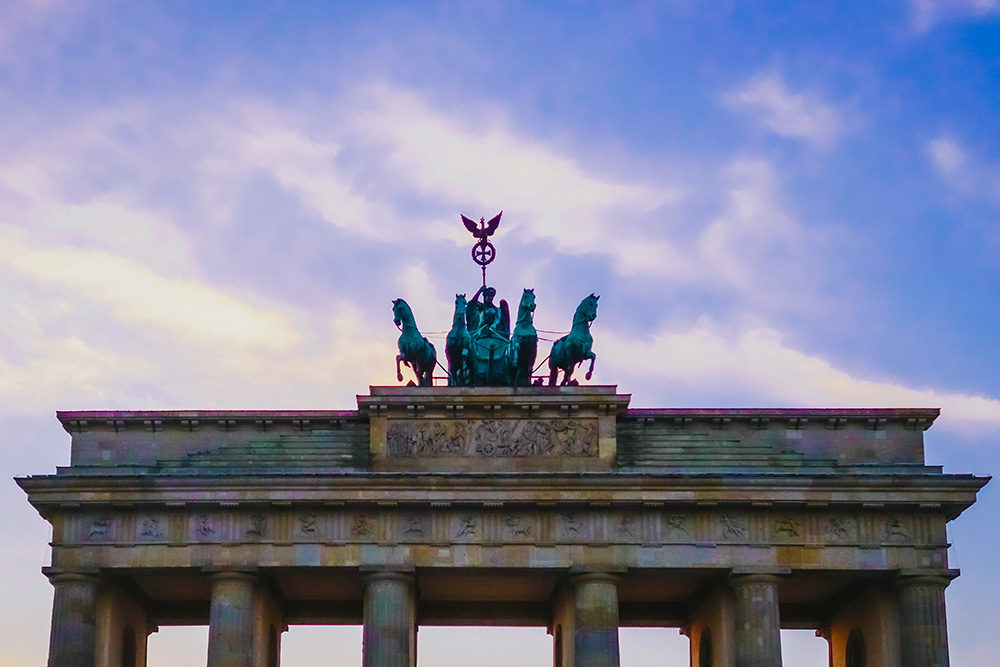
[[575, 347], [414, 350], [523, 341], [458, 349]]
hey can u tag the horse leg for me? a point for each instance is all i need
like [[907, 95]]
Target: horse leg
[[568, 374], [593, 358], [399, 373]]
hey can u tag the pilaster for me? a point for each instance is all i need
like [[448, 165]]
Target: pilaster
[[122, 629], [712, 630]]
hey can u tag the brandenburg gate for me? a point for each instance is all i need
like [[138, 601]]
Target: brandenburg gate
[[501, 499], [555, 506]]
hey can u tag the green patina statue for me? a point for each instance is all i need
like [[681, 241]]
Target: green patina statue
[[414, 350], [573, 348], [481, 350]]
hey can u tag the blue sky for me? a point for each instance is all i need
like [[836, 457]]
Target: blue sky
[[211, 205]]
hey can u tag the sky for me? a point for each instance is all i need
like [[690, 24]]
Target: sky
[[210, 205]]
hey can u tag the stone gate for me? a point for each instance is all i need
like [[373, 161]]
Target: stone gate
[[545, 506]]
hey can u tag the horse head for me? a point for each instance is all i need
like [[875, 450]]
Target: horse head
[[528, 299], [400, 311], [587, 310]]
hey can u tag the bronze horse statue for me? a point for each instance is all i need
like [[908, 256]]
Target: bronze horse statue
[[523, 342], [414, 350], [458, 349], [574, 348]]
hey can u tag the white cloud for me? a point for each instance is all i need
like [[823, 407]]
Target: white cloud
[[947, 155], [963, 170], [546, 193], [925, 14], [133, 293], [796, 115], [755, 363]]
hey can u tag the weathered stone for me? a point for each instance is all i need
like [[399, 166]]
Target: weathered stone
[[500, 505]]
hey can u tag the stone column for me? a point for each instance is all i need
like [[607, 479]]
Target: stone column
[[758, 628], [595, 611], [230, 624], [923, 628], [72, 642], [390, 620]]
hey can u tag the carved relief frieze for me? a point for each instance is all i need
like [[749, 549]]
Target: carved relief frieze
[[677, 527], [492, 438], [204, 528], [305, 524], [573, 527], [732, 527], [255, 527], [517, 526], [841, 529], [415, 526], [786, 528], [897, 529], [512, 525], [467, 526], [100, 529], [362, 526], [626, 528], [150, 528]]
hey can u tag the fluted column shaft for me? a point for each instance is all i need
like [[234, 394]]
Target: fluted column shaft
[[230, 624], [390, 620], [595, 609], [74, 615], [923, 628], [758, 626]]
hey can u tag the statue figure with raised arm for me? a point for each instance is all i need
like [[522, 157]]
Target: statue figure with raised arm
[[486, 317]]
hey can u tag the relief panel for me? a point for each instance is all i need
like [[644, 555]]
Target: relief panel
[[732, 527], [492, 438], [677, 527], [151, 528], [205, 527], [574, 526]]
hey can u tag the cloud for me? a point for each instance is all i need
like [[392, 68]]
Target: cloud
[[795, 115], [483, 163], [925, 14], [948, 157], [756, 364], [133, 293], [964, 171]]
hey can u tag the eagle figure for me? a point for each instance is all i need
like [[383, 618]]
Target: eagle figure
[[482, 229]]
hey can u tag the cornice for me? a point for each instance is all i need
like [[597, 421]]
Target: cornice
[[949, 494]]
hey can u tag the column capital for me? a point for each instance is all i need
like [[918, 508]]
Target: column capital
[[388, 575], [234, 575], [911, 579], [747, 578], [594, 577], [57, 576]]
